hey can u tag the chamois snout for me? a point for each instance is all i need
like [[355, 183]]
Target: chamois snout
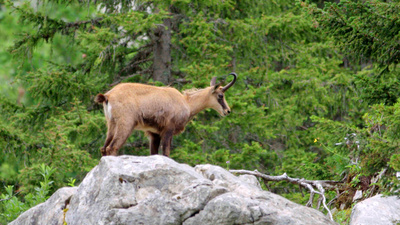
[[226, 111]]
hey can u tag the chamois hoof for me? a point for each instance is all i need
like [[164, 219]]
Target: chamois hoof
[[111, 151], [103, 151]]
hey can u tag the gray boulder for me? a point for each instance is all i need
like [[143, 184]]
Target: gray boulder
[[157, 190], [377, 210]]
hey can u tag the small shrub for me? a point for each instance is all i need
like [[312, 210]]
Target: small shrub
[[12, 205]]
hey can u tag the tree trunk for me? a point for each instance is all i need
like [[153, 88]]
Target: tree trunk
[[162, 52]]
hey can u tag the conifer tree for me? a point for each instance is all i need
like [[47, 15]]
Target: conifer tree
[[367, 34]]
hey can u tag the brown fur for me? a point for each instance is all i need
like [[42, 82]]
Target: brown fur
[[161, 112]]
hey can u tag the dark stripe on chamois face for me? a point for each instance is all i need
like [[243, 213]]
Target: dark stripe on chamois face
[[222, 103]]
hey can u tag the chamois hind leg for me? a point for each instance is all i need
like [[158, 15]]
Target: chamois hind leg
[[122, 132], [155, 140], [166, 141], [110, 134]]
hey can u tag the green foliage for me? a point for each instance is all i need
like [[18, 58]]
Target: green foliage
[[395, 162], [377, 87], [316, 97], [11, 207], [342, 216], [366, 32], [44, 122], [367, 29], [71, 182]]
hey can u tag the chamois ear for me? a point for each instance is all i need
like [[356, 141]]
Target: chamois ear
[[213, 81]]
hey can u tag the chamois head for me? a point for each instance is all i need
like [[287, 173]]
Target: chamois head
[[217, 100]]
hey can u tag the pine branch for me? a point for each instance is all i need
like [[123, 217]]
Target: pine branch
[[364, 31], [133, 64], [141, 57], [118, 80], [47, 29], [68, 28]]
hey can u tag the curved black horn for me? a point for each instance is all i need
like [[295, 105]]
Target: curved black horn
[[231, 83]]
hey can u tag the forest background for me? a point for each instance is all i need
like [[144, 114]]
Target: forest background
[[316, 96]]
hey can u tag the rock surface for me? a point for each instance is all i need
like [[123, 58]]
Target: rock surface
[[157, 190], [377, 210]]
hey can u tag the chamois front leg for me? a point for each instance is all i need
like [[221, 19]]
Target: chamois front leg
[[155, 140], [166, 142]]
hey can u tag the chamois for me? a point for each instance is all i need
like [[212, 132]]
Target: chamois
[[161, 112]]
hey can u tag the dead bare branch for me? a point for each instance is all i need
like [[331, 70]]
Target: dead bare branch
[[327, 184], [322, 191], [309, 184], [375, 180]]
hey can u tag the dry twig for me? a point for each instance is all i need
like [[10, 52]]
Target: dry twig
[[321, 185]]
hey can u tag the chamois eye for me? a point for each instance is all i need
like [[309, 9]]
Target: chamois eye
[[220, 96]]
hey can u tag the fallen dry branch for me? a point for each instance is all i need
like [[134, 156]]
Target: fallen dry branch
[[375, 180], [311, 185]]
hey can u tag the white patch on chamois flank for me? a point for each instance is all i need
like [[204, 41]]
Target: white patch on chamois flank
[[107, 110]]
